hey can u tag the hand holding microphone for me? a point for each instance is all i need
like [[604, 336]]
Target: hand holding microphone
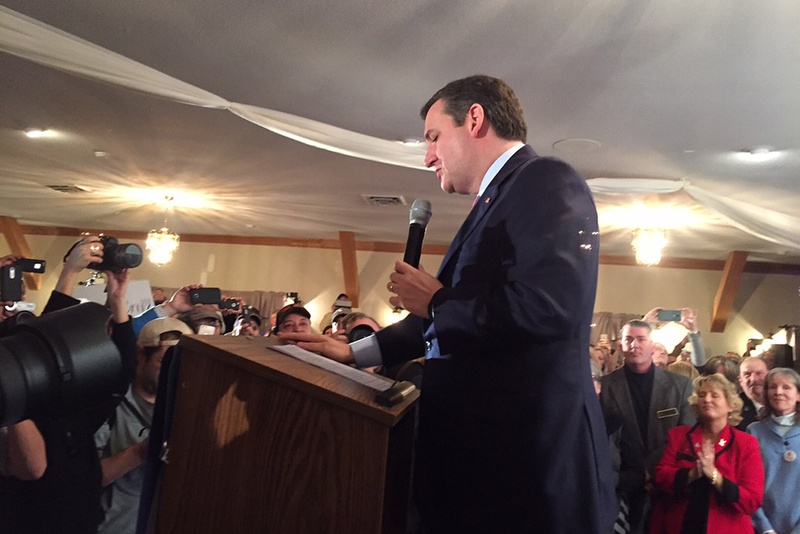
[[412, 286]]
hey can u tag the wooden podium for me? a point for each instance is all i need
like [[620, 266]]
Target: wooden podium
[[262, 442]]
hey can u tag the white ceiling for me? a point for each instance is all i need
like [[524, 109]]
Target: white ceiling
[[669, 91]]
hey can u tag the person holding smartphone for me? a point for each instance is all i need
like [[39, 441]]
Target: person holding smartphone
[[687, 318]]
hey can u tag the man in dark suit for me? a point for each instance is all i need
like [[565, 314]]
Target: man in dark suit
[[645, 402], [511, 436]]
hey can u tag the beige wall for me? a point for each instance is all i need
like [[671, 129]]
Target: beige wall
[[763, 302]]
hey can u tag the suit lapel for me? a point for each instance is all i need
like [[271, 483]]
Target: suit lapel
[[486, 201], [654, 428]]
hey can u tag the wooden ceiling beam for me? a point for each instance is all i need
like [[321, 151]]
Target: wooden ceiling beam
[[347, 241], [15, 236], [728, 287], [761, 267]]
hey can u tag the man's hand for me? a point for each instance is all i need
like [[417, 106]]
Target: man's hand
[[88, 250], [688, 319], [9, 260], [180, 301], [651, 317], [330, 347], [414, 288]]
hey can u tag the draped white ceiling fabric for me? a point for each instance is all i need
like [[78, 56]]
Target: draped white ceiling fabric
[[757, 221], [35, 41]]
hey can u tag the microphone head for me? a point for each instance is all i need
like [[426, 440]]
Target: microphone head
[[420, 213]]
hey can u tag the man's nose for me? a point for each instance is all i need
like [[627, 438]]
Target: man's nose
[[430, 157]]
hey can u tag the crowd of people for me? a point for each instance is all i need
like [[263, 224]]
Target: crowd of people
[[510, 435], [83, 472], [699, 450]]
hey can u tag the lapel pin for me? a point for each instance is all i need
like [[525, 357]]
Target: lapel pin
[[488, 199]]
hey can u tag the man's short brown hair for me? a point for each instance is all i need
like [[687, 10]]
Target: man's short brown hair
[[500, 105]]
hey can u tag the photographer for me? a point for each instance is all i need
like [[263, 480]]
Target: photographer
[[66, 499], [22, 451]]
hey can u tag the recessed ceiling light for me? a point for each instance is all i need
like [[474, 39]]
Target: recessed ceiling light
[[576, 145], [758, 154], [100, 154], [35, 133], [410, 141]]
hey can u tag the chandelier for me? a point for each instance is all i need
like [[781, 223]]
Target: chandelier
[[647, 244], [162, 244]]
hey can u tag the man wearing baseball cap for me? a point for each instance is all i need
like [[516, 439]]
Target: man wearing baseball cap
[[123, 440], [293, 318]]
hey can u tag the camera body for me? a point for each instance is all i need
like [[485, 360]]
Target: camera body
[[117, 256]]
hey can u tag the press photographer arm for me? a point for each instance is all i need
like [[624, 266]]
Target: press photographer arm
[[123, 462], [26, 457], [88, 250]]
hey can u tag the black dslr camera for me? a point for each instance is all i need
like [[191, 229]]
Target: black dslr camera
[[116, 255]]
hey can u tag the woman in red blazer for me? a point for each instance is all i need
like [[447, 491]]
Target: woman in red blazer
[[711, 477]]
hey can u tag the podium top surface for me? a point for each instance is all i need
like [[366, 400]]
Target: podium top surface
[[254, 355]]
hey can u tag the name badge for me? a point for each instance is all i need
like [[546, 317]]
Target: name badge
[[669, 412]]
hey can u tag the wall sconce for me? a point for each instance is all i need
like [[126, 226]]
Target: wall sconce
[[647, 244]]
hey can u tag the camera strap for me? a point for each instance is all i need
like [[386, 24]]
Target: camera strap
[[137, 413]]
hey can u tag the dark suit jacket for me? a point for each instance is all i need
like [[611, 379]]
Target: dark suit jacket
[[511, 437], [669, 407], [749, 412]]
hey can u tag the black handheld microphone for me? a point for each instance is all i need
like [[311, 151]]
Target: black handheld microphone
[[419, 216]]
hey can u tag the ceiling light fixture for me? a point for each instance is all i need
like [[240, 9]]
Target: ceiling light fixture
[[35, 133], [647, 244], [758, 154], [162, 243]]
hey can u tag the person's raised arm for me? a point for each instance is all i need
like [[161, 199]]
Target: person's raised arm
[[88, 250], [180, 301], [689, 322], [117, 289]]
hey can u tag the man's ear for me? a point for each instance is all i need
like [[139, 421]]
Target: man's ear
[[476, 120]]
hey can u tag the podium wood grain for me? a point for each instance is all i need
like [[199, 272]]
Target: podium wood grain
[[262, 442]]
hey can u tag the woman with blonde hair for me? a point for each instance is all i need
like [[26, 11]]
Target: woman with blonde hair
[[711, 474]]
